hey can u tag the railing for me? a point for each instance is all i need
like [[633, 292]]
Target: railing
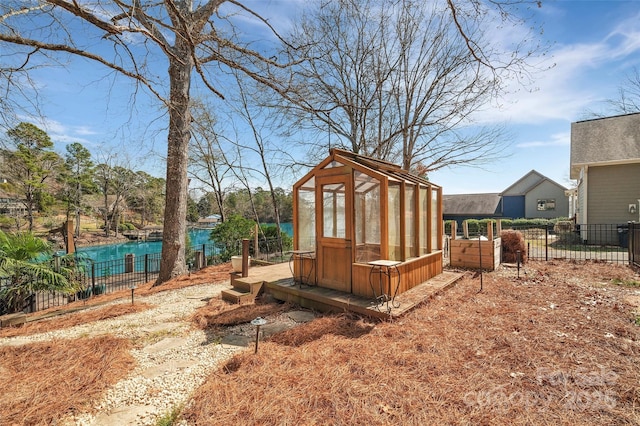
[[106, 277]]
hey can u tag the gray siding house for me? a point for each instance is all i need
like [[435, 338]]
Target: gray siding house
[[535, 196], [532, 196], [605, 160]]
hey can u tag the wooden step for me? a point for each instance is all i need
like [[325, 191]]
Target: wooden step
[[248, 285], [235, 296]]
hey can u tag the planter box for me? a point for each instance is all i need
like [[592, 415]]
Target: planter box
[[466, 254]]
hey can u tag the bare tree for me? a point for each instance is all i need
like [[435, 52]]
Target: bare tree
[[208, 164], [268, 158], [402, 80], [115, 181], [628, 100], [126, 36]]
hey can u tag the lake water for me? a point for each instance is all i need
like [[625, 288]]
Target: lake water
[[118, 251]]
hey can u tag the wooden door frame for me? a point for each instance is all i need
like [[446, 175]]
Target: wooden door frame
[[346, 179]]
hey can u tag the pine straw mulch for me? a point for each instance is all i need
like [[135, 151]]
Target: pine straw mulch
[[218, 314], [73, 319], [557, 346], [68, 317], [44, 382]]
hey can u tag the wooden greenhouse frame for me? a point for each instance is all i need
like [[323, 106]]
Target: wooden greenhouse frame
[[351, 211]]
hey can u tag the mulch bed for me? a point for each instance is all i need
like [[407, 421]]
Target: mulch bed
[[44, 382], [557, 346]]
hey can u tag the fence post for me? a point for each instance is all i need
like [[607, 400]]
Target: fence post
[[546, 243], [204, 255], [631, 242], [146, 268], [93, 275]]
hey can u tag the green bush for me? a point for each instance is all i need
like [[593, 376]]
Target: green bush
[[269, 245], [229, 233], [126, 227]]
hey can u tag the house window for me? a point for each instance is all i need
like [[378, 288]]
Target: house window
[[548, 204]]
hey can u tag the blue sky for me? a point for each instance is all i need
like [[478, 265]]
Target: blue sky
[[593, 45]]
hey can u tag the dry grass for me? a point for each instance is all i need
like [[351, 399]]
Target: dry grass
[[555, 347], [44, 382]]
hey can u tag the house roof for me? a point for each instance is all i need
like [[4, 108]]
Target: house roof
[[528, 182], [471, 204], [605, 141]]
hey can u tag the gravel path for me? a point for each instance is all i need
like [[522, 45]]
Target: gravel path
[[172, 358]]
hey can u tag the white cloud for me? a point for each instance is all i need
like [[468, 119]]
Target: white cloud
[[582, 75], [556, 139]]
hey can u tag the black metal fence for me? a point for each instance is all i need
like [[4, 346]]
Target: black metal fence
[[634, 244], [98, 278], [616, 243]]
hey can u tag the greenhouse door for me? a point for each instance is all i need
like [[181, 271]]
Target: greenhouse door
[[334, 232]]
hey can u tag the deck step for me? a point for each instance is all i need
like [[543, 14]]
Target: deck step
[[235, 296], [248, 285]]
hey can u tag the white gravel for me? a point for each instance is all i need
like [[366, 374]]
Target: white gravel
[[172, 358]]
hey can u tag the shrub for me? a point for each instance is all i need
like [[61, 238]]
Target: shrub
[[269, 244], [228, 233]]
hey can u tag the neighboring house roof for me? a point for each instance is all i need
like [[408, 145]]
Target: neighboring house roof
[[605, 141], [471, 204], [528, 182], [209, 219]]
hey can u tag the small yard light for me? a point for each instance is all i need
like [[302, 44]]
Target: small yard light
[[132, 287], [257, 323]]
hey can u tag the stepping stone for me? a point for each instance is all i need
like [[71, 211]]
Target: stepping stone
[[269, 329], [301, 316], [167, 367], [164, 326], [165, 345], [237, 340], [128, 415]]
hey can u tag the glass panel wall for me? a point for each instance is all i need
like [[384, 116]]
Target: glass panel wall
[[367, 217], [395, 252], [333, 219], [306, 231], [410, 221], [424, 221]]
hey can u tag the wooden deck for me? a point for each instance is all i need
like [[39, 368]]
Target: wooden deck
[[278, 281]]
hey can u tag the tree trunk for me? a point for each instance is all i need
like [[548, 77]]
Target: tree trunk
[[173, 241]]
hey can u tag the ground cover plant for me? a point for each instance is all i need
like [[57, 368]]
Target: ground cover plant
[[560, 345]]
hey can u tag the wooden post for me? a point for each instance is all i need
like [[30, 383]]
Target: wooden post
[[71, 246], [490, 230], [499, 227], [465, 229], [245, 257], [454, 229]]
